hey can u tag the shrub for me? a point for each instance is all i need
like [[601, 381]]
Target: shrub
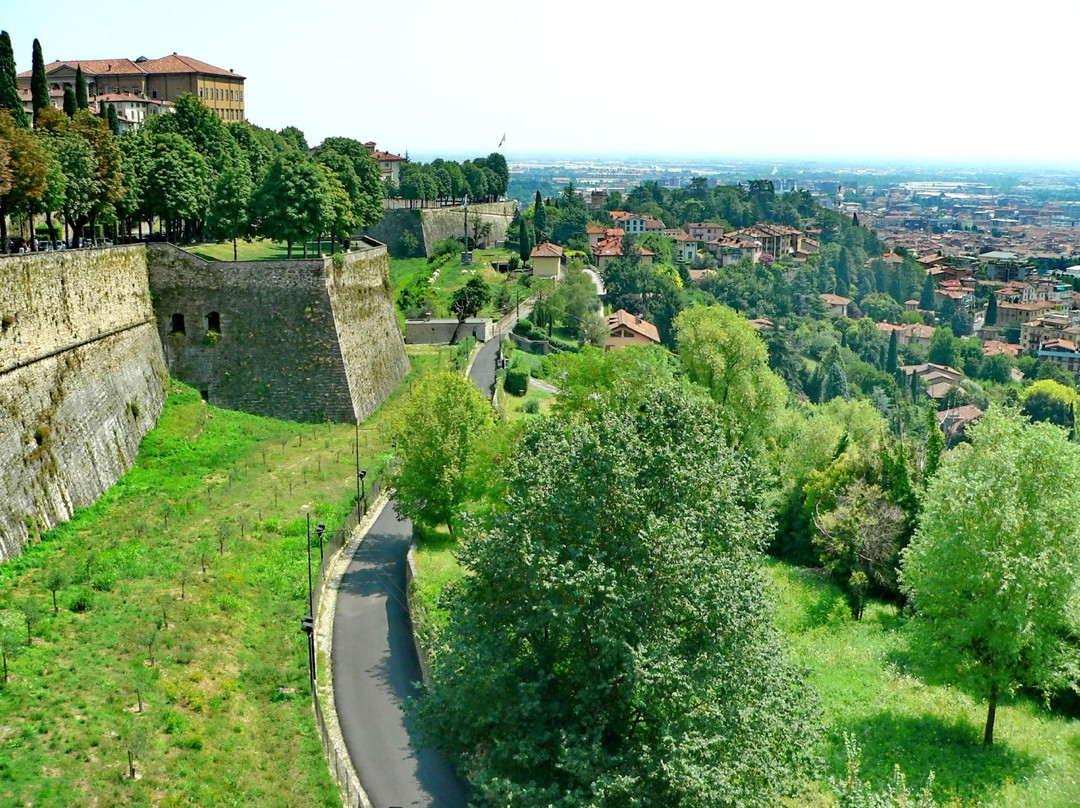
[[532, 406], [517, 381], [104, 580], [513, 264], [81, 600], [560, 344], [448, 246]]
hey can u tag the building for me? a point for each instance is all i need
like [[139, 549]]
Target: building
[[635, 224], [962, 296], [389, 164], [546, 259], [954, 422], [704, 231], [1004, 266], [837, 305], [734, 248], [626, 329], [131, 110], [608, 250], [164, 79], [685, 247], [777, 240], [916, 333], [1052, 325], [597, 234], [1063, 353], [1016, 314]]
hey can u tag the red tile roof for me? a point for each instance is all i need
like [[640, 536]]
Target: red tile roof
[[546, 250], [623, 318], [183, 64], [166, 64]]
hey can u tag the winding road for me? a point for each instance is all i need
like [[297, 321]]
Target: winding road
[[375, 664]]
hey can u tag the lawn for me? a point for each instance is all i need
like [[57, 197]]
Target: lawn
[[255, 250], [183, 584], [415, 272], [873, 686]]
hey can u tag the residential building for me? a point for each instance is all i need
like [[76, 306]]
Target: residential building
[[735, 247], [633, 223], [597, 234], [777, 240], [164, 79], [937, 379], [389, 164], [962, 296], [993, 347], [953, 422], [1063, 353], [608, 250], [705, 231], [546, 259], [837, 305], [626, 329], [1002, 265], [1051, 325], [1016, 314], [685, 247], [915, 333]]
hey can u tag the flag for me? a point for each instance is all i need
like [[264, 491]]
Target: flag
[[501, 142]]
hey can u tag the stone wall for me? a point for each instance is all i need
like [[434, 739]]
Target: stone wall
[[443, 332], [82, 379], [394, 224], [440, 223], [301, 340]]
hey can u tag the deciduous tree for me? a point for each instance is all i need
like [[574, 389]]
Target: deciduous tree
[[993, 566], [229, 214]]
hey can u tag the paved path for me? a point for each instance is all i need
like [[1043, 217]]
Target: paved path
[[375, 669], [483, 369]]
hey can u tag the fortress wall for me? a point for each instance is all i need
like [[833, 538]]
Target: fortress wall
[[82, 379], [440, 223]]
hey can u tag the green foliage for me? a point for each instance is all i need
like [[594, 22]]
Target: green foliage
[[293, 202], [467, 300], [943, 347], [852, 792], [881, 308], [721, 351], [629, 654], [70, 105], [81, 100], [540, 219], [1048, 400], [176, 185], [991, 572], [836, 384], [439, 432], [9, 86], [229, 207], [39, 84]]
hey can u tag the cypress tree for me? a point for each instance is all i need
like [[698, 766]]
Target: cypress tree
[[891, 359], [854, 219], [836, 384], [114, 122], [540, 218], [926, 300], [914, 386], [991, 310], [39, 85], [81, 99], [69, 101], [9, 85]]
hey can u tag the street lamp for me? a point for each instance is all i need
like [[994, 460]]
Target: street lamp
[[319, 530], [361, 475]]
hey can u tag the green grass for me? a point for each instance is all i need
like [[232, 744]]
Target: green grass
[[255, 250], [227, 713], [436, 567], [452, 275], [874, 686]]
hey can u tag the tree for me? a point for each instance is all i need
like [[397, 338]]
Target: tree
[[9, 84], [10, 639], [881, 307], [991, 311], [891, 363], [39, 84], [82, 101], [293, 202], [853, 792], [29, 167], [439, 433], [467, 300], [836, 384], [70, 105], [540, 219], [722, 352], [926, 299], [112, 120], [176, 184], [31, 613], [943, 347], [1048, 400], [629, 656], [54, 583], [229, 217], [526, 242], [991, 572]]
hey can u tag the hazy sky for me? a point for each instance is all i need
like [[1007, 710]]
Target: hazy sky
[[834, 79]]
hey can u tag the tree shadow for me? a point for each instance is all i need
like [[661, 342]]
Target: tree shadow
[[953, 751]]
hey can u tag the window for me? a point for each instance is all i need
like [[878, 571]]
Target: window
[[177, 325], [213, 322]]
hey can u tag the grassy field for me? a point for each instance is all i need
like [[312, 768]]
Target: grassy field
[[255, 250], [404, 272], [873, 686], [184, 584]]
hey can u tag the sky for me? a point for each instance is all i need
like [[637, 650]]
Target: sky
[[920, 81]]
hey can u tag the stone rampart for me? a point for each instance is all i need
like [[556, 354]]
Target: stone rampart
[[441, 223], [82, 379], [302, 340]]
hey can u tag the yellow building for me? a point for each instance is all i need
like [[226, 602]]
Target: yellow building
[[626, 329], [547, 260], [164, 79]]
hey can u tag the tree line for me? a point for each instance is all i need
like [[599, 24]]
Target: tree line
[[482, 179]]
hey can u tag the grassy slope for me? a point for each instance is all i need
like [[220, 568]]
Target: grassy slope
[[404, 271], [215, 727]]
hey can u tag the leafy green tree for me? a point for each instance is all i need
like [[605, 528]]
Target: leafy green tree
[[55, 581], [1048, 400], [229, 214], [9, 84], [294, 137], [629, 655], [722, 352], [70, 105], [342, 222], [293, 202], [943, 347], [76, 161], [81, 99], [467, 300], [367, 202], [881, 307], [113, 121], [29, 167], [176, 185], [935, 447], [991, 574], [39, 84], [108, 161], [10, 639], [439, 434]]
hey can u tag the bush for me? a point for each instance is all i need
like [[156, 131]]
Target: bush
[[560, 344], [523, 327], [448, 246], [517, 381], [81, 600], [532, 406], [513, 264]]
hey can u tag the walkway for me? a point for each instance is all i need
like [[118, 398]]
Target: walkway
[[375, 671]]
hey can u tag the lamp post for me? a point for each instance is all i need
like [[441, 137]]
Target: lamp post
[[358, 477], [319, 530], [308, 622], [361, 474], [466, 257]]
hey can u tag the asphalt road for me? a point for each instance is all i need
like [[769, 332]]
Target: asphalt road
[[375, 671], [483, 369]]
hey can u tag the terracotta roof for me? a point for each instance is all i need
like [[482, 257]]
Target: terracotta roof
[[91, 67], [835, 300], [593, 229], [183, 64], [386, 156], [1059, 344], [625, 319], [992, 347], [546, 250]]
